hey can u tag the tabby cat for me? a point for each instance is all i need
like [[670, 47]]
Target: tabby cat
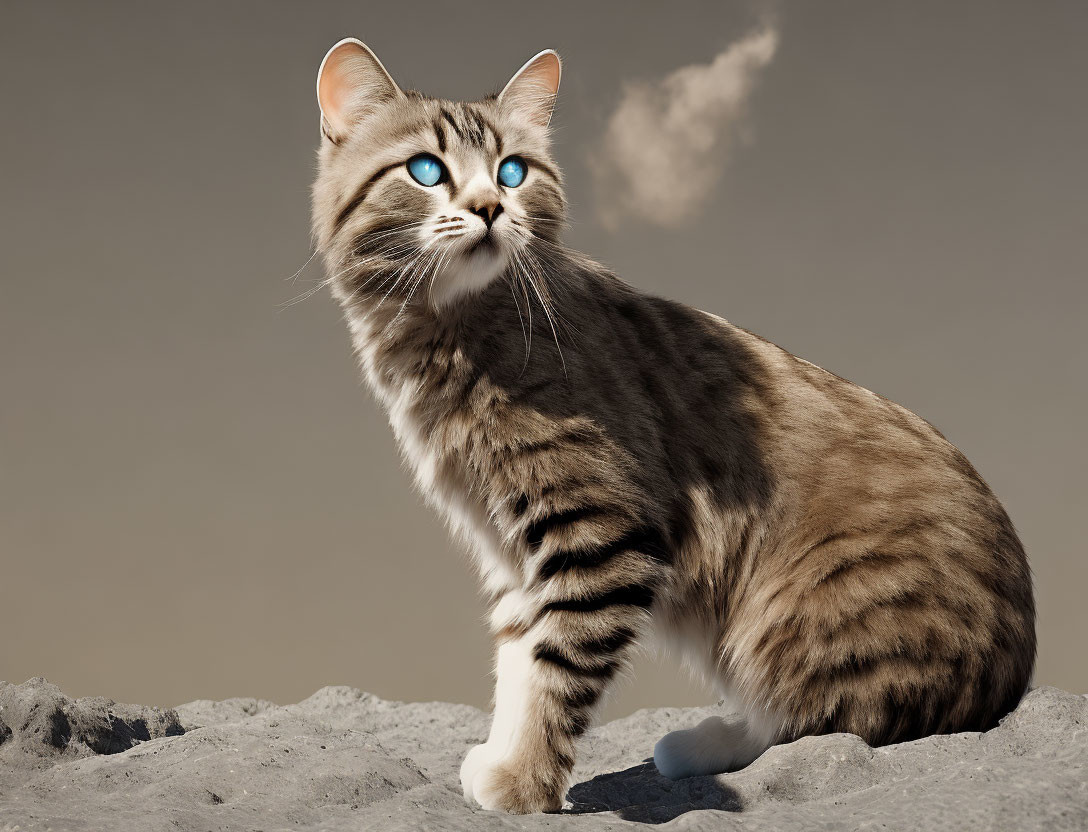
[[621, 465]]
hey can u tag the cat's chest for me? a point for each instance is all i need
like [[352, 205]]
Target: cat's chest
[[444, 485], [436, 470], [398, 395]]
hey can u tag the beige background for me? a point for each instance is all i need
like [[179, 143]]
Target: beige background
[[198, 498]]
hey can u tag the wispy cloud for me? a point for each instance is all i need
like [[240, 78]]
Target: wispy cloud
[[668, 141]]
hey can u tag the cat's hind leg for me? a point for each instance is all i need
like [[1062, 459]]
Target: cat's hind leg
[[715, 745]]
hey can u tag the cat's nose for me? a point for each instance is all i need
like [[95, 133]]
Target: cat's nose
[[488, 212]]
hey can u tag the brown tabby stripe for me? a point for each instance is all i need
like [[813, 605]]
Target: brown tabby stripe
[[545, 652], [477, 132], [644, 540], [538, 529], [545, 168], [453, 124], [360, 195], [568, 437], [633, 595], [872, 559], [495, 134], [581, 695], [578, 722], [608, 644], [521, 506]]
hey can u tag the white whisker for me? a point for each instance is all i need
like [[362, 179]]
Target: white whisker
[[302, 268], [548, 315]]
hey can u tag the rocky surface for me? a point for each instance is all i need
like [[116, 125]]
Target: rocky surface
[[344, 759]]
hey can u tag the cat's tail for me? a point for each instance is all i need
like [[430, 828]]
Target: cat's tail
[[714, 746]]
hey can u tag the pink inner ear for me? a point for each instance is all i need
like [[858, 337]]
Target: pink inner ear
[[351, 80], [545, 72], [534, 87], [332, 89]]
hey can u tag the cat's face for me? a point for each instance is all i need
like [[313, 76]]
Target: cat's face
[[418, 197]]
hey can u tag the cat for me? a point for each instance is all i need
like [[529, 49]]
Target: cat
[[621, 465]]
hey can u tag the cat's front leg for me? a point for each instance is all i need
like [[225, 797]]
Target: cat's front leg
[[568, 638], [505, 772]]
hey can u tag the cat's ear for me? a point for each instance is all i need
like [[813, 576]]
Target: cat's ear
[[351, 82], [534, 87]]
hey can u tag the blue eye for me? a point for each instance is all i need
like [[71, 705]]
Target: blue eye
[[512, 172], [426, 169]]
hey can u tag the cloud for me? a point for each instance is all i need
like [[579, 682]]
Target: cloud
[[668, 141]]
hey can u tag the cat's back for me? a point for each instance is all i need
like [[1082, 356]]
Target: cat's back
[[695, 382], [854, 460]]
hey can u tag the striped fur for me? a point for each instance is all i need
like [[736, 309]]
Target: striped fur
[[615, 460]]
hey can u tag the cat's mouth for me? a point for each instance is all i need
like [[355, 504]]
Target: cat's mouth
[[476, 264], [487, 244]]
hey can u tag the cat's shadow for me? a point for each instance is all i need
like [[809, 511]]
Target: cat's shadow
[[641, 794]]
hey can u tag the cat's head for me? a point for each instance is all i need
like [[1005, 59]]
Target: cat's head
[[426, 196]]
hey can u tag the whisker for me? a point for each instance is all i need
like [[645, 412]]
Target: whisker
[[418, 279], [528, 308], [317, 287], [548, 316], [527, 336], [411, 262], [302, 268]]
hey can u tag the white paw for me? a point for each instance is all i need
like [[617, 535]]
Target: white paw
[[479, 760], [713, 746], [489, 780], [485, 789]]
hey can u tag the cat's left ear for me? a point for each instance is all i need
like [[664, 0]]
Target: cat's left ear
[[534, 87], [351, 83]]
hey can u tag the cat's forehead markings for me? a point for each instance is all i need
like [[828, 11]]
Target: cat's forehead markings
[[466, 125], [440, 136]]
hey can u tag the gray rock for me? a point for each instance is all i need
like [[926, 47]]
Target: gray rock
[[344, 759], [42, 724], [207, 712]]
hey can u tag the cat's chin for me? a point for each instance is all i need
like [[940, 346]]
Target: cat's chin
[[468, 274]]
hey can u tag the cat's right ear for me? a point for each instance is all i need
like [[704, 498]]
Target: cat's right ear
[[534, 87], [350, 83]]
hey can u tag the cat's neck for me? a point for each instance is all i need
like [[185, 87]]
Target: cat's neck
[[516, 320], [520, 294]]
